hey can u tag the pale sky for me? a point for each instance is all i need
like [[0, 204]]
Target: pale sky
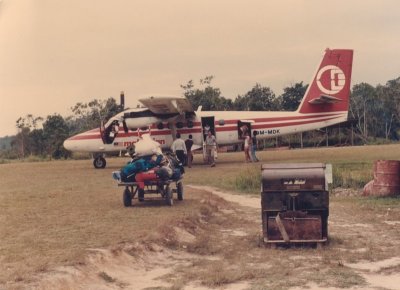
[[56, 53]]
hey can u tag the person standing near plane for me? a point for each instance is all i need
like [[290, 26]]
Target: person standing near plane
[[179, 148], [253, 147], [247, 144], [211, 147], [189, 156], [206, 129]]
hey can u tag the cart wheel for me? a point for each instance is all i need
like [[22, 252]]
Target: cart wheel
[[168, 195], [179, 190], [127, 197], [141, 194]]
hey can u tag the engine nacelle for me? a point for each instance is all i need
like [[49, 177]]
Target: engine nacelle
[[140, 122]]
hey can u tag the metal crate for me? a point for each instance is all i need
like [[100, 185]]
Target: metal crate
[[295, 203]]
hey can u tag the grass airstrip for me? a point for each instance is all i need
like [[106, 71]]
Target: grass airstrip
[[52, 213]]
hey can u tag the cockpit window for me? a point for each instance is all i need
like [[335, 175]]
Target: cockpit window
[[110, 132]]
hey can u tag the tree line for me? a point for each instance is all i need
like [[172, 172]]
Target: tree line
[[44, 137], [375, 114]]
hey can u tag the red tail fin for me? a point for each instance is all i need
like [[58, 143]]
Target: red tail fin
[[329, 90]]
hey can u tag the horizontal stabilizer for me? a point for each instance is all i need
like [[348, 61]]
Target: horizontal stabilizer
[[324, 100]]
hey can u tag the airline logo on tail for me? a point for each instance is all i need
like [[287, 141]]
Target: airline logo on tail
[[329, 90], [337, 79]]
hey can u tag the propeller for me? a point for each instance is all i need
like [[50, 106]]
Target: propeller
[[102, 132], [125, 126]]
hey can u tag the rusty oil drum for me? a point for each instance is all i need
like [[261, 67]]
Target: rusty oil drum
[[386, 177]]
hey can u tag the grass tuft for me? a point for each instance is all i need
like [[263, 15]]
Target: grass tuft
[[352, 175], [106, 277], [248, 180]]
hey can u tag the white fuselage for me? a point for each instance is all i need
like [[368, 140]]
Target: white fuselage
[[325, 103], [226, 129]]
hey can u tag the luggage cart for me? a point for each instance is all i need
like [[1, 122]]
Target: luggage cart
[[162, 187]]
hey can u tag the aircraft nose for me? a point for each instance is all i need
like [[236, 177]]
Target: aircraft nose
[[68, 144]]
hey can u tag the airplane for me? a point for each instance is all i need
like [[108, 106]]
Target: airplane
[[325, 103]]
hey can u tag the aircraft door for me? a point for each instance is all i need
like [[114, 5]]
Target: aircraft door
[[244, 127], [109, 133], [208, 124]]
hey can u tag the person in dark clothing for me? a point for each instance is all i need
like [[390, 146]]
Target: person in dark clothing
[[189, 156], [253, 147]]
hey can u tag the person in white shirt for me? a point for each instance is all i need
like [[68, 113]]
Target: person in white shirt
[[211, 147], [179, 148], [247, 144]]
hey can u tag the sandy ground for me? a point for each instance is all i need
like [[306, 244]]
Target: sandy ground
[[370, 271], [150, 266]]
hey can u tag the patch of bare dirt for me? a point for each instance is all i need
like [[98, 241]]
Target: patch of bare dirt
[[242, 200], [346, 192], [128, 268], [220, 248]]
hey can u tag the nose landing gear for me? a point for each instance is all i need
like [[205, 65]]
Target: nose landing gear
[[99, 162]]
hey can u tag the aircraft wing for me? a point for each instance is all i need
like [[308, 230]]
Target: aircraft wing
[[324, 100], [168, 105]]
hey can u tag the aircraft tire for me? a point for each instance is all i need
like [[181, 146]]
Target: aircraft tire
[[168, 196], [99, 162], [127, 197], [179, 190]]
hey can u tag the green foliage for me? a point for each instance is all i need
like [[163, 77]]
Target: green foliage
[[291, 97], [379, 201], [29, 121], [352, 175], [248, 180], [207, 96], [376, 109], [5, 142], [87, 116], [55, 131], [257, 99], [37, 142], [48, 141]]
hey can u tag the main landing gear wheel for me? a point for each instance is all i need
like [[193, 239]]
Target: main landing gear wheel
[[141, 194], [127, 197], [99, 162]]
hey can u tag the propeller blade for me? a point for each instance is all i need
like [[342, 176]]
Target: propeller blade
[[125, 126]]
